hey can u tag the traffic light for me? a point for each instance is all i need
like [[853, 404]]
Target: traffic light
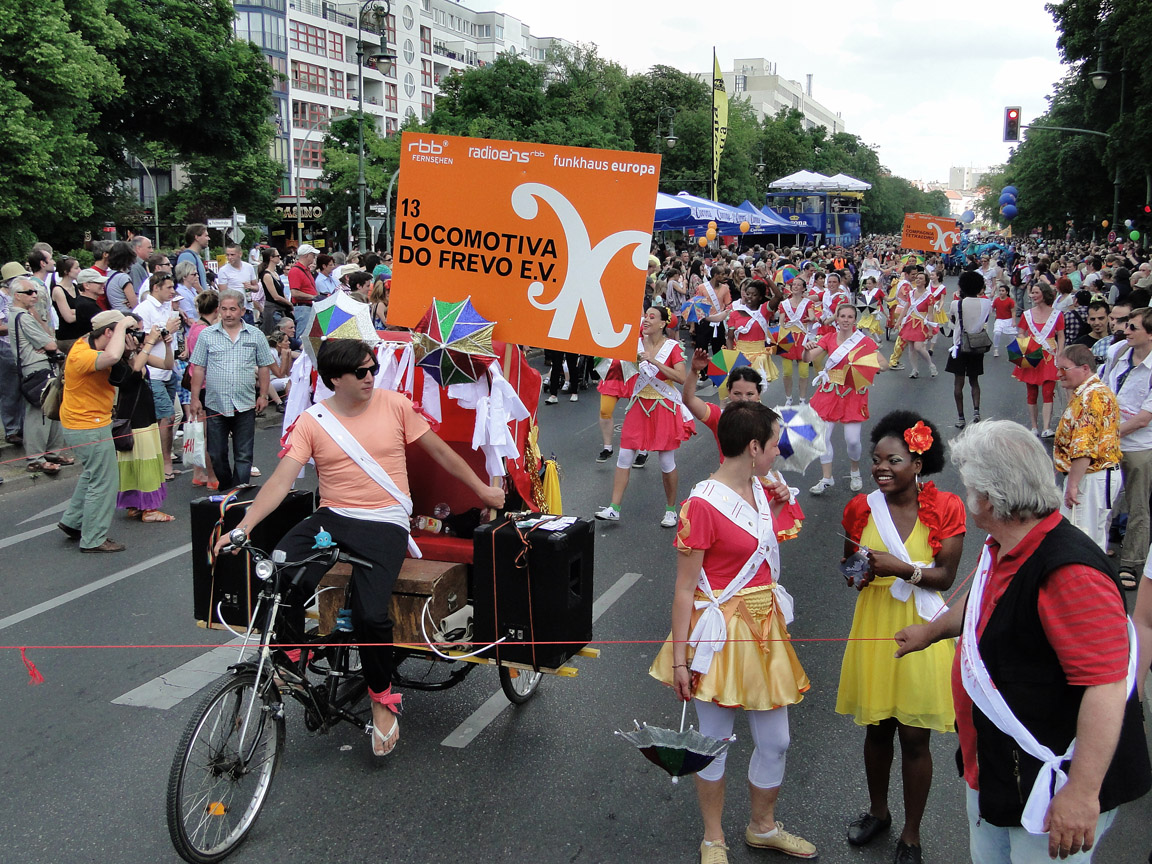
[[1012, 123]]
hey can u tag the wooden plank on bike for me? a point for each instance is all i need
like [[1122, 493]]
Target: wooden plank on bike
[[562, 671]]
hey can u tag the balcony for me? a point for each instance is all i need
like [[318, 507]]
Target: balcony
[[327, 11]]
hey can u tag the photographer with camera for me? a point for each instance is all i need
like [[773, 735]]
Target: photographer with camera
[[157, 310]]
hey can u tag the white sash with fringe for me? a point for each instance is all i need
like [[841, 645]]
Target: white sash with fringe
[[755, 316], [929, 604], [711, 632], [836, 356], [795, 319], [980, 688], [1045, 333], [715, 300], [363, 459], [647, 376]]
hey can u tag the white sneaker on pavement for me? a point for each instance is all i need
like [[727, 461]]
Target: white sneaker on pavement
[[825, 483], [669, 520], [855, 482], [608, 514]]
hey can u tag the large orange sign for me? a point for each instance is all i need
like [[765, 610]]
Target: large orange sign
[[550, 242], [929, 233]]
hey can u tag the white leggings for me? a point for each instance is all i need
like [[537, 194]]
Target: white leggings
[[851, 441], [769, 734], [667, 459]]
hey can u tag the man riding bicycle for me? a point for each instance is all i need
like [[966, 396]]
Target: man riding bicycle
[[357, 440]]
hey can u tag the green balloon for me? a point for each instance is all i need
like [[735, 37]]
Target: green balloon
[[1135, 235]]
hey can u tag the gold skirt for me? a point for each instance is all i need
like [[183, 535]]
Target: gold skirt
[[761, 359], [757, 669]]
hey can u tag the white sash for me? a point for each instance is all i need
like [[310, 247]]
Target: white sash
[[795, 318], [826, 300], [711, 632], [929, 604], [914, 313], [836, 356], [715, 300], [1044, 334], [363, 459], [980, 688], [754, 316], [647, 376]]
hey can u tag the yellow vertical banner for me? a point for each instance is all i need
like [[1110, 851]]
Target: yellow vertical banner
[[719, 122]]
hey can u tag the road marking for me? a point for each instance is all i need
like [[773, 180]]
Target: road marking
[[51, 511], [26, 535], [173, 687], [56, 602], [494, 706]]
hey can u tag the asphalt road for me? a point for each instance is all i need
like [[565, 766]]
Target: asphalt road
[[84, 764]]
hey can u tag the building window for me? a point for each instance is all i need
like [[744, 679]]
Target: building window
[[425, 73], [306, 76], [500, 32], [390, 98], [306, 184], [266, 31], [409, 18], [389, 33], [390, 126], [425, 40], [335, 46], [409, 52], [427, 105], [309, 154], [309, 115], [309, 39], [740, 84], [409, 85], [278, 150], [337, 79], [279, 73]]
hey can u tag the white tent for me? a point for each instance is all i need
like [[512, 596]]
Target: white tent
[[804, 180], [844, 183]]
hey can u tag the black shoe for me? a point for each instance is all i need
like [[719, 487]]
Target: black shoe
[[73, 533], [906, 854], [864, 829], [640, 461], [605, 455]]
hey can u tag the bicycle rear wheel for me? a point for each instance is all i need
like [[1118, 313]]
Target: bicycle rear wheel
[[519, 684], [215, 788]]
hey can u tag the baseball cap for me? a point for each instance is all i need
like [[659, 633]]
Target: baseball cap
[[91, 274], [13, 269], [108, 318], [307, 249]]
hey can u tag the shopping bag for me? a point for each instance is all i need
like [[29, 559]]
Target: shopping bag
[[194, 444]]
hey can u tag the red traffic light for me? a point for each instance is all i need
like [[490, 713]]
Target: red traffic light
[[1148, 208], [1012, 123]]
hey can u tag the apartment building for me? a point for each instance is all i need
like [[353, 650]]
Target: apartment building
[[757, 81]]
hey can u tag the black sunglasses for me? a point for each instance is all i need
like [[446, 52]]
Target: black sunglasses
[[363, 371], [26, 292]]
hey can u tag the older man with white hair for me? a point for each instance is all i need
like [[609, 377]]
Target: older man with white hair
[[1044, 676]]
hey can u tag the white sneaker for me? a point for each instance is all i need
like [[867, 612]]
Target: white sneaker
[[255, 471], [788, 402], [551, 400], [564, 387], [995, 352], [608, 514], [932, 367], [825, 483], [573, 398], [855, 482], [669, 520]]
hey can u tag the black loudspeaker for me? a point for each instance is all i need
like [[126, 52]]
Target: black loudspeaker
[[532, 585], [230, 582]]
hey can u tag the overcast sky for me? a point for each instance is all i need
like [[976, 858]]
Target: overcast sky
[[922, 81]]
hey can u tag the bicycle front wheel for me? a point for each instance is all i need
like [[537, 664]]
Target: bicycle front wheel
[[224, 767]]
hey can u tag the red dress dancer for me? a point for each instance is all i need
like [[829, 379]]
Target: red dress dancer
[[1046, 326], [615, 384], [916, 324]]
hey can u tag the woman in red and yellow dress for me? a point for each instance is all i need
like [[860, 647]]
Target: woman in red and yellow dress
[[916, 325], [729, 646], [796, 312], [656, 419], [841, 404], [1046, 326], [748, 329], [914, 535]]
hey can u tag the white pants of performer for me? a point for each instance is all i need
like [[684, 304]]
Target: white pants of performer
[[769, 734], [990, 844], [1003, 327], [1099, 490], [851, 441]]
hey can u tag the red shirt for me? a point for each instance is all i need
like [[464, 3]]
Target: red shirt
[[726, 547], [300, 279], [712, 421], [1082, 616], [1003, 307]]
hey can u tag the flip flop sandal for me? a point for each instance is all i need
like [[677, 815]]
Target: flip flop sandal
[[60, 460], [1128, 580], [392, 735], [156, 516], [132, 512]]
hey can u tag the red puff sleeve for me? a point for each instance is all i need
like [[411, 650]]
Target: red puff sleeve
[[943, 514], [856, 517]]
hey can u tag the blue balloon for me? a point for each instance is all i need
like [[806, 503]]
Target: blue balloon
[[968, 216], [1007, 198], [1011, 190], [1009, 212]]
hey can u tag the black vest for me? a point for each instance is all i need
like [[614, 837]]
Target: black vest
[[1025, 669]]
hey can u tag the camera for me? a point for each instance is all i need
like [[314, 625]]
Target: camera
[[163, 333]]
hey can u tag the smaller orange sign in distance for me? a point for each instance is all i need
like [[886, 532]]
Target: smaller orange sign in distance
[[929, 233]]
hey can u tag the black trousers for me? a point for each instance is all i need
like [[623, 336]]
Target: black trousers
[[557, 359], [384, 545]]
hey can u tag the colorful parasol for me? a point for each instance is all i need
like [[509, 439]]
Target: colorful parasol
[[1026, 352], [788, 338], [912, 258], [723, 362], [786, 274], [801, 437], [453, 342], [338, 316], [857, 370], [696, 309], [679, 753]]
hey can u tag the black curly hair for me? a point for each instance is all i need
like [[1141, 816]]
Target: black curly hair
[[895, 423]]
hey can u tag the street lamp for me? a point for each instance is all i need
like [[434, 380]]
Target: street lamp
[[670, 139], [1099, 80], [296, 181], [384, 59], [155, 197]]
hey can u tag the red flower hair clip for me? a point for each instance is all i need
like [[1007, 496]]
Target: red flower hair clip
[[918, 438]]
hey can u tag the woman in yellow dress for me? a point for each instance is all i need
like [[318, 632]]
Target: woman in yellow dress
[[914, 535], [748, 330]]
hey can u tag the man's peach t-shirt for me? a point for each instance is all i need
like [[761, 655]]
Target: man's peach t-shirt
[[386, 426]]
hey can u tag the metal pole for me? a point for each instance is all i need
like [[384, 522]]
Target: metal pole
[[361, 183], [388, 213], [155, 200], [1116, 182]]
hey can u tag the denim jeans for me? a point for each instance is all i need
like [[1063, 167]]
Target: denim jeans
[[990, 844], [242, 427], [11, 402]]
